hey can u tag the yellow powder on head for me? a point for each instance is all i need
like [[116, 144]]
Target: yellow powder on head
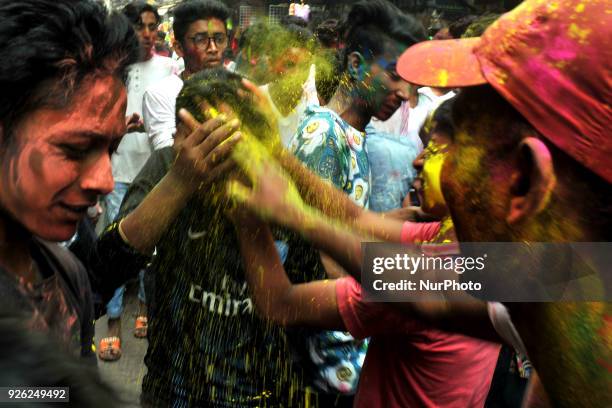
[[578, 33]]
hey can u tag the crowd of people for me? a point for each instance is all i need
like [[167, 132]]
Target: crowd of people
[[236, 178]]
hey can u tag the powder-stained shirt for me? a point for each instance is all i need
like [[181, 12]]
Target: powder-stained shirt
[[410, 363], [59, 304], [334, 150], [207, 347]]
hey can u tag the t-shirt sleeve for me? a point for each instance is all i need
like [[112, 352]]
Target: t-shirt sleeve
[[318, 146], [153, 171], [365, 319], [159, 118], [417, 232]]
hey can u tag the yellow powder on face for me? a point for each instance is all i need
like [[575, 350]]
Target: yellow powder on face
[[432, 169]]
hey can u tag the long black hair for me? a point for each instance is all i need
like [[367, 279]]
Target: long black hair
[[47, 48]]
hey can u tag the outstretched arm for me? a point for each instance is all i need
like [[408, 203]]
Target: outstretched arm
[[317, 193], [275, 297]]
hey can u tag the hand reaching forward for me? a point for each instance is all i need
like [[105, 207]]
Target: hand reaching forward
[[272, 195], [203, 150]]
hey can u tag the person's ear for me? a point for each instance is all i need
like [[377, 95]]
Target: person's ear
[[532, 182], [178, 48], [356, 65]]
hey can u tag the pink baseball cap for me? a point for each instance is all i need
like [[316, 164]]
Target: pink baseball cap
[[550, 59]]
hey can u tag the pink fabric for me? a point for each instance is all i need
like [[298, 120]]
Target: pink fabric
[[417, 232], [408, 363]]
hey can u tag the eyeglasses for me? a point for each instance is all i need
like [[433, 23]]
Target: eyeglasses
[[202, 40]]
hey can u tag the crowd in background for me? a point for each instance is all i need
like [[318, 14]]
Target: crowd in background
[[235, 176]]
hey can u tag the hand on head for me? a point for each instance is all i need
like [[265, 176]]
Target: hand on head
[[203, 150], [253, 95]]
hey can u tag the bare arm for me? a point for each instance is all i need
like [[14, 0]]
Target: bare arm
[[335, 204], [275, 297]]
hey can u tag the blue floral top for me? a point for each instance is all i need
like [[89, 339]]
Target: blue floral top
[[335, 151]]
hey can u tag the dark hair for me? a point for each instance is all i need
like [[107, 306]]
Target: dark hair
[[370, 23], [327, 32], [49, 46], [30, 359], [218, 85], [188, 12], [443, 118], [458, 27], [480, 25], [133, 11]]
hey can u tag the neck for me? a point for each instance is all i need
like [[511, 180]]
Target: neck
[[440, 91], [147, 56], [15, 255], [343, 103]]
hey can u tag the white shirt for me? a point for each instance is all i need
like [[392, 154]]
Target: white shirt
[[135, 149], [159, 105], [287, 125]]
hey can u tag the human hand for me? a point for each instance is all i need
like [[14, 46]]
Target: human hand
[[253, 95], [203, 150], [271, 195], [134, 123]]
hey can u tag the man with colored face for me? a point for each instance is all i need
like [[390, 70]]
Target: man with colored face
[[533, 135], [60, 118], [200, 38], [134, 150], [290, 52]]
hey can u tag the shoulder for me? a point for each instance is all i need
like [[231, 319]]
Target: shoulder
[[319, 120], [71, 268], [167, 61], [167, 87]]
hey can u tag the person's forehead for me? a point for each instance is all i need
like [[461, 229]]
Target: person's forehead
[[100, 99], [211, 25], [147, 17]]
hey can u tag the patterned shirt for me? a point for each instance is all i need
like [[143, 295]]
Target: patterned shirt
[[335, 151]]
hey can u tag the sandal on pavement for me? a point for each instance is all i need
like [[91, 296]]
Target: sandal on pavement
[[140, 329], [110, 349]]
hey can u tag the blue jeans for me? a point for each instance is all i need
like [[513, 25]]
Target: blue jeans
[[114, 307]]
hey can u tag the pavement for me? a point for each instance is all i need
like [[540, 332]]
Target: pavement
[[126, 374]]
